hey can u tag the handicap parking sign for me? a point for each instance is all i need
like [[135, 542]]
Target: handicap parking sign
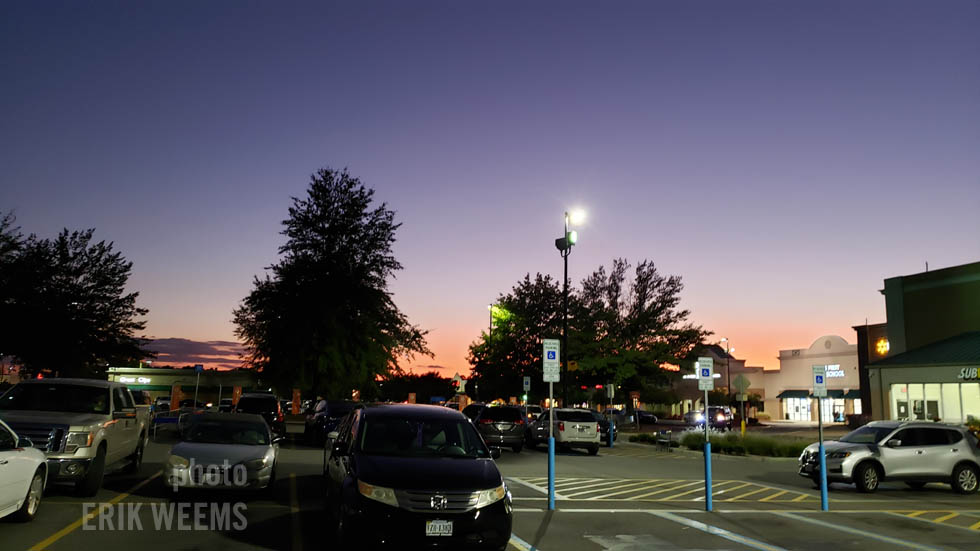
[[819, 379], [705, 373], [551, 354]]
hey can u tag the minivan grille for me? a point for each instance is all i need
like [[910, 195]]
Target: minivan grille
[[424, 501], [47, 438]]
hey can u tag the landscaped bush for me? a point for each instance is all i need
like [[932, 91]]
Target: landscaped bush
[[732, 443]]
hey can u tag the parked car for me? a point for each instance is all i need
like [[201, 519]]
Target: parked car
[[161, 404], [23, 475], [604, 425], [572, 428], [532, 411], [720, 417], [323, 419], [473, 410], [410, 476], [645, 417], [502, 426], [913, 452], [226, 405], [217, 445], [84, 426], [265, 405]]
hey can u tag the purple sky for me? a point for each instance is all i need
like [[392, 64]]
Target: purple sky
[[783, 157]]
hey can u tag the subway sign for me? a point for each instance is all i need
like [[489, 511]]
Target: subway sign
[[969, 373]]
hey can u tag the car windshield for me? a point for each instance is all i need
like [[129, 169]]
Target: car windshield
[[257, 405], [421, 438], [573, 416], [867, 435], [57, 397], [228, 432]]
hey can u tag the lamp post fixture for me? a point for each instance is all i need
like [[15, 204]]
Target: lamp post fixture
[[564, 246], [728, 365]]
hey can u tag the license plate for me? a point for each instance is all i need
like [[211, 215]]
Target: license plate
[[438, 528], [582, 429]]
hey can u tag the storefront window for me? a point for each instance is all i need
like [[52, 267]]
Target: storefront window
[[950, 403], [947, 402], [796, 409], [971, 400]]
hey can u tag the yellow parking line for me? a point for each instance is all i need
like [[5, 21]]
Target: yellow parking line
[[775, 495], [975, 526], [668, 498], [747, 494], [590, 484], [638, 489], [800, 497], [944, 518], [636, 483], [915, 514], [678, 487], [44, 544], [720, 484]]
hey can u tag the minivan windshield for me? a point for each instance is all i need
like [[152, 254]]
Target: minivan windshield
[[57, 397], [421, 438], [867, 435], [501, 414]]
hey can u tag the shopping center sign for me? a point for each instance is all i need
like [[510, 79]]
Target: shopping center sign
[[969, 373]]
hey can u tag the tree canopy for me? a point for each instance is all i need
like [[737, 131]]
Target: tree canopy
[[64, 303], [622, 329], [322, 318]]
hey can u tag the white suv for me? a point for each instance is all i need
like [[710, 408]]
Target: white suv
[[573, 428], [912, 452]]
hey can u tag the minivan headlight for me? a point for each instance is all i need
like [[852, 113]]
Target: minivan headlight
[[178, 462], [256, 464], [491, 496], [377, 493], [838, 455]]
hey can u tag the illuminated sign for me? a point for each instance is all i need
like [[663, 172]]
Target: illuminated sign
[[141, 380], [882, 346], [834, 372], [969, 373]]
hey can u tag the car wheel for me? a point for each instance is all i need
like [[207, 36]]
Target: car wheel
[[965, 479], [594, 450], [517, 448], [89, 486], [867, 477], [136, 460], [270, 489], [916, 485], [32, 500]]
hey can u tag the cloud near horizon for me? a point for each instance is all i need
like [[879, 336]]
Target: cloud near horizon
[[213, 354]]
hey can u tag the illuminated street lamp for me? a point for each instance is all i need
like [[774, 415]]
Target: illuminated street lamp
[[564, 246]]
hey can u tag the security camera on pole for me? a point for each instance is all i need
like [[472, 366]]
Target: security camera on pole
[[706, 382]]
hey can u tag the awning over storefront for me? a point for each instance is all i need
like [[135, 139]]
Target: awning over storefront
[[794, 394], [852, 394]]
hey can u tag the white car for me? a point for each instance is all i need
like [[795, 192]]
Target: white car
[[573, 428], [23, 474]]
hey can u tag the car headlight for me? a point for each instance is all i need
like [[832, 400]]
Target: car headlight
[[721, 417], [491, 496], [178, 462], [377, 493], [699, 417], [77, 440], [256, 464], [838, 455]]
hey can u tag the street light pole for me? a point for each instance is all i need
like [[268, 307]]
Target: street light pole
[[564, 245]]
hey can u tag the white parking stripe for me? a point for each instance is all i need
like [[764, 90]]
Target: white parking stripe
[[857, 532], [534, 487], [720, 532]]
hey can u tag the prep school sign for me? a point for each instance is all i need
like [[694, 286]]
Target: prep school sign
[[969, 374]]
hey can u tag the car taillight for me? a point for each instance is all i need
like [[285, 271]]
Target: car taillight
[[519, 422], [561, 426], [598, 428], [486, 421]]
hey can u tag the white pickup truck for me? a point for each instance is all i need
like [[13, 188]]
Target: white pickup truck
[[83, 426]]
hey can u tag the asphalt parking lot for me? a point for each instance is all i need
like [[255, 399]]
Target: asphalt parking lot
[[628, 497]]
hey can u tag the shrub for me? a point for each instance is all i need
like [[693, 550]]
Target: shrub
[[732, 443]]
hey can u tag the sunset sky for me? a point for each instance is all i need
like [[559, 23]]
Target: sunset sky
[[782, 157]]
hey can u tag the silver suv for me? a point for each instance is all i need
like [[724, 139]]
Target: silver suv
[[912, 452]]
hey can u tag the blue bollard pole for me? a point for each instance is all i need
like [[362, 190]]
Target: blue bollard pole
[[707, 476], [551, 473], [612, 429], [824, 506]]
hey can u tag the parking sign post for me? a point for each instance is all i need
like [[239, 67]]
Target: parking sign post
[[706, 382], [820, 392], [552, 373]]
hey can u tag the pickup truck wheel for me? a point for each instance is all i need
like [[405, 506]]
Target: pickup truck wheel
[[594, 450], [89, 486], [965, 479], [32, 500], [136, 460]]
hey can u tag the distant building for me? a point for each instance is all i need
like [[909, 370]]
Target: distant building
[[930, 368], [789, 390]]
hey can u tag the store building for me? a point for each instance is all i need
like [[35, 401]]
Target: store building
[[789, 390], [212, 385], [932, 361]]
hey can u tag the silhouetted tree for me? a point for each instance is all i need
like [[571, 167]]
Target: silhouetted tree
[[396, 386], [323, 318], [64, 304]]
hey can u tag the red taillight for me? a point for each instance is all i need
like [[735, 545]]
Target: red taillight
[[561, 426], [486, 421], [598, 427], [519, 422]]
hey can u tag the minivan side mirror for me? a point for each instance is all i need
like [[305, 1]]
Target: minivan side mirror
[[893, 443]]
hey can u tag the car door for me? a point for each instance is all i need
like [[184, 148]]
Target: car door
[[935, 456], [902, 453], [16, 469], [338, 465], [121, 438]]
